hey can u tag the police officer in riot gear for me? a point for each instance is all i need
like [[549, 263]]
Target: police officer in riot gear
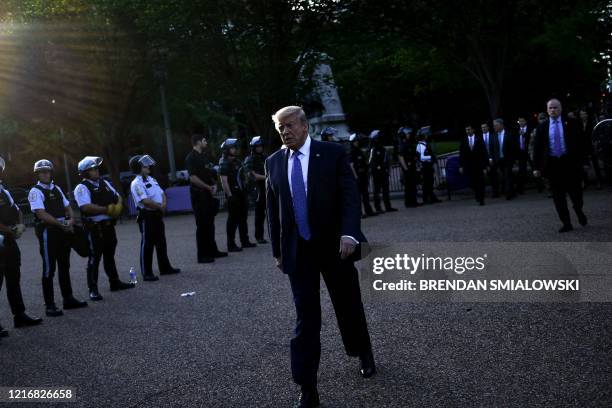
[[408, 160], [237, 204], [329, 134], [11, 228], [100, 206], [151, 202], [54, 223], [379, 164], [254, 167], [202, 179], [359, 165]]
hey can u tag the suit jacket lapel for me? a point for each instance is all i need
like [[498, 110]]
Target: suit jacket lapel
[[313, 168], [284, 181]]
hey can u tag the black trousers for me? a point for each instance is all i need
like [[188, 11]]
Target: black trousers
[[260, 210], [428, 182], [10, 269], [494, 178], [363, 182], [410, 187], [153, 236], [55, 252], [523, 160], [564, 177], [102, 244], [477, 183], [238, 212], [342, 283], [381, 183], [204, 209]]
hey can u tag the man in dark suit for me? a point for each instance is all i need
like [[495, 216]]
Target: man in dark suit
[[558, 155], [314, 219], [487, 137], [473, 162], [503, 155], [524, 138]]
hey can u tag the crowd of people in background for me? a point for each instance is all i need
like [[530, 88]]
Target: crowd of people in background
[[556, 149]]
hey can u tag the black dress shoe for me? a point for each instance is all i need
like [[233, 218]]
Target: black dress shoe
[[248, 244], [309, 397], [582, 219], [205, 259], [150, 278], [233, 248], [53, 311], [368, 368], [262, 241], [23, 320], [391, 209], [72, 303], [220, 254], [171, 271], [115, 286], [95, 296], [3, 332], [566, 228]]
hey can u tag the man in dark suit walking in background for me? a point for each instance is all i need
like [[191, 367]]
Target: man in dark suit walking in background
[[524, 136], [558, 154], [503, 154], [473, 162], [314, 219]]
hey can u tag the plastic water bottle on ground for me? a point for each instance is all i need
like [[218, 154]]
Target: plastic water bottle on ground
[[133, 278]]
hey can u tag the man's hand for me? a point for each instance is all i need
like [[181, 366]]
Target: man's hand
[[67, 225], [347, 247], [279, 263], [213, 189], [536, 173]]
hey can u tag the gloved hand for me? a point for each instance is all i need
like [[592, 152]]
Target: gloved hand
[[114, 210], [19, 230], [110, 210]]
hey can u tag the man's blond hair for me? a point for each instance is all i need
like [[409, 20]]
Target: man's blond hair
[[288, 111]]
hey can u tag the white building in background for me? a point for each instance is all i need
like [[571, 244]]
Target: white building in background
[[331, 113]]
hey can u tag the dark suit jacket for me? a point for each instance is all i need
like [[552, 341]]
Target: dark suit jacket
[[574, 143], [333, 202], [527, 138], [510, 147], [473, 159]]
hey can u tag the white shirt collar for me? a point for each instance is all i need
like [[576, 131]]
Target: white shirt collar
[[46, 186], [305, 149]]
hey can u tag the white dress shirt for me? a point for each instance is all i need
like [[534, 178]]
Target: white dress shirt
[[304, 157], [142, 189], [37, 198]]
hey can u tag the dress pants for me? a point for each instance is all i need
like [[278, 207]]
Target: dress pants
[[564, 177], [477, 183], [55, 251], [342, 283], [410, 187], [204, 209], [153, 236], [10, 269], [102, 244], [428, 182]]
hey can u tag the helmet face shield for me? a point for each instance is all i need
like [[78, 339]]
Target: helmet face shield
[[146, 161], [43, 165], [2, 164], [89, 162]]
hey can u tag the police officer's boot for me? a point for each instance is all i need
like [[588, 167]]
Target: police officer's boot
[[23, 320], [94, 295], [119, 285], [53, 311], [72, 303]]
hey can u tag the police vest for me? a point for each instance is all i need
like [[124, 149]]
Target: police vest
[[54, 202], [359, 161], [101, 195], [8, 213]]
